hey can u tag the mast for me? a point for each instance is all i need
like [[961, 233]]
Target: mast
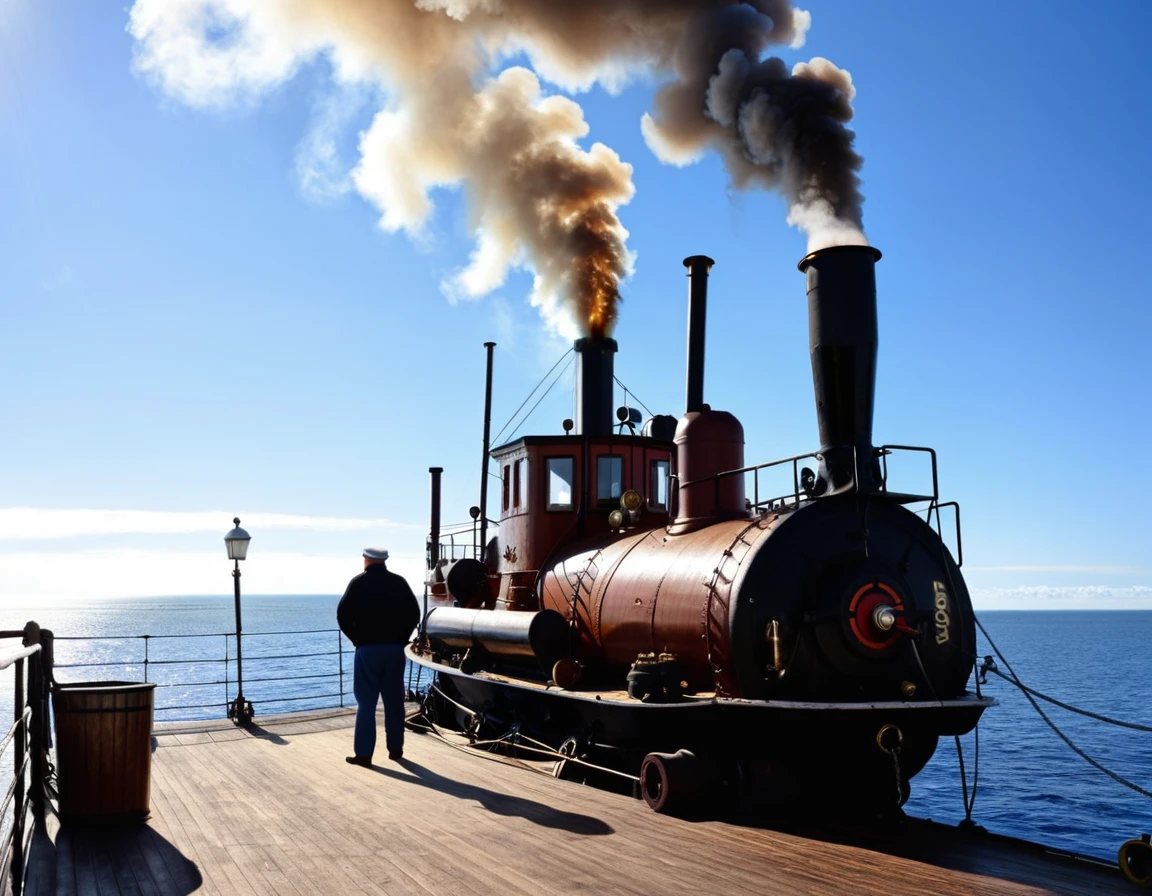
[[484, 465]]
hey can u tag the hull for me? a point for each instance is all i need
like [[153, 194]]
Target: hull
[[780, 752]]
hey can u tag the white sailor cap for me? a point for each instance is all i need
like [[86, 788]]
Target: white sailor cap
[[376, 553]]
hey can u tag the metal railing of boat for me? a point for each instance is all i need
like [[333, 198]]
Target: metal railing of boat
[[27, 742], [461, 540], [793, 498], [283, 669]]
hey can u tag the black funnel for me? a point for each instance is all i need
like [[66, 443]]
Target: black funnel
[[594, 385], [842, 339]]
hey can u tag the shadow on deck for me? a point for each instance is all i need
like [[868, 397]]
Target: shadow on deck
[[137, 859]]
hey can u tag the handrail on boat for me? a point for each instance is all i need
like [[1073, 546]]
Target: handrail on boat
[[27, 739], [11, 655]]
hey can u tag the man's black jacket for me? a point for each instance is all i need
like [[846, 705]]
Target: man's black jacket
[[378, 607]]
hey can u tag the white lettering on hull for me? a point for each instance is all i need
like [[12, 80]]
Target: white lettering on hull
[[943, 619]]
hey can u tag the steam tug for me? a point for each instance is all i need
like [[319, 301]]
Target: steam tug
[[649, 608]]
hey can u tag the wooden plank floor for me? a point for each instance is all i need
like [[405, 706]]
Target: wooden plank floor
[[276, 810]]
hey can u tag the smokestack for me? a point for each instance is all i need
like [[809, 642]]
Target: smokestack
[[842, 338], [594, 385], [698, 267]]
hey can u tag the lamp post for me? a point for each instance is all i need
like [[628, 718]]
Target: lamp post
[[240, 710]]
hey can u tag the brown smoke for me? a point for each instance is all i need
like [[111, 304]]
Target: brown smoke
[[536, 198]]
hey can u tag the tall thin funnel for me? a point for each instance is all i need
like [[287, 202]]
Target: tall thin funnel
[[698, 268], [842, 338]]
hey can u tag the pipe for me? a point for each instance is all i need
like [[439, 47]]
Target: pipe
[[433, 542], [594, 382], [487, 445], [843, 341], [434, 530], [698, 268], [507, 633]]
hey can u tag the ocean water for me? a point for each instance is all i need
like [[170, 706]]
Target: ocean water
[[1031, 784]]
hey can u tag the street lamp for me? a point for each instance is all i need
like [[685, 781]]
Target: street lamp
[[240, 710]]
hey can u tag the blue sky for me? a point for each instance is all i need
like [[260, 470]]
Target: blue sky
[[192, 330]]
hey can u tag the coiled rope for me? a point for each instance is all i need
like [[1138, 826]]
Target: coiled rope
[[1012, 678]]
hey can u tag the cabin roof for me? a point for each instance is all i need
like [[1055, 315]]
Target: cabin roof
[[576, 441]]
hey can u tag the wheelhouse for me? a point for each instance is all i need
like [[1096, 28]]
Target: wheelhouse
[[557, 491]]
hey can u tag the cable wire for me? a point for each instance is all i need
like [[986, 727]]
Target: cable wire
[[628, 392], [1064, 737], [542, 397], [496, 438]]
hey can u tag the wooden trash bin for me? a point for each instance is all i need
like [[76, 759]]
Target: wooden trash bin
[[104, 750]]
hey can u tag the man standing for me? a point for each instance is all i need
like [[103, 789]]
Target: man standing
[[378, 613]]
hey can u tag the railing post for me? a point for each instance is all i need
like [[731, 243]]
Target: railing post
[[226, 683], [19, 751], [146, 637], [340, 652], [38, 700]]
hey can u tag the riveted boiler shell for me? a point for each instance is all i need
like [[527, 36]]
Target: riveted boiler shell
[[805, 577], [710, 595], [653, 593]]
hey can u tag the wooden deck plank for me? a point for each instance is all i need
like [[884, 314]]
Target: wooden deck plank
[[275, 809]]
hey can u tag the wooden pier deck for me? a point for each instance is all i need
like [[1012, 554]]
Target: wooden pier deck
[[275, 810]]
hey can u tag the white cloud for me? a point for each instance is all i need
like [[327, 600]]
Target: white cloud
[[23, 523], [322, 173], [1086, 568], [85, 575], [1072, 597]]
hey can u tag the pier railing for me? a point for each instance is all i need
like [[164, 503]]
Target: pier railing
[[195, 679], [23, 749], [195, 674]]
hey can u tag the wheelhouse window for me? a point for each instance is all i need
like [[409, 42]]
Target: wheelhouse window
[[507, 487], [658, 484], [609, 478], [520, 483], [561, 475]]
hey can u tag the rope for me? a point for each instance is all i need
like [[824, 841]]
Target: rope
[[512, 738], [470, 712], [543, 396], [1075, 749], [969, 800], [986, 668], [496, 438]]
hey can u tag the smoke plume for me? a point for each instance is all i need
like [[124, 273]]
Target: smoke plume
[[536, 198], [774, 128]]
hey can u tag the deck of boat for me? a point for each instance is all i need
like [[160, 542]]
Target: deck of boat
[[275, 809]]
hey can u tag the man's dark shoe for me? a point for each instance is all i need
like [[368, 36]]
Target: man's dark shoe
[[365, 761], [395, 754]]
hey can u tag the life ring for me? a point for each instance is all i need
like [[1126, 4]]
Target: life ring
[[1135, 860]]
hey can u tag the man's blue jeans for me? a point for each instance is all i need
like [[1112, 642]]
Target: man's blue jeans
[[379, 672]]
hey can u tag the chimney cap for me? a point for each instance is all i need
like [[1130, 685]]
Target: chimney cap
[[693, 260], [827, 250]]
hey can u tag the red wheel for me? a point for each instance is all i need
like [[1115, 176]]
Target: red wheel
[[681, 782], [654, 781]]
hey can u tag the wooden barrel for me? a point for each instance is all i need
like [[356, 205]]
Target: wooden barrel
[[104, 750]]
